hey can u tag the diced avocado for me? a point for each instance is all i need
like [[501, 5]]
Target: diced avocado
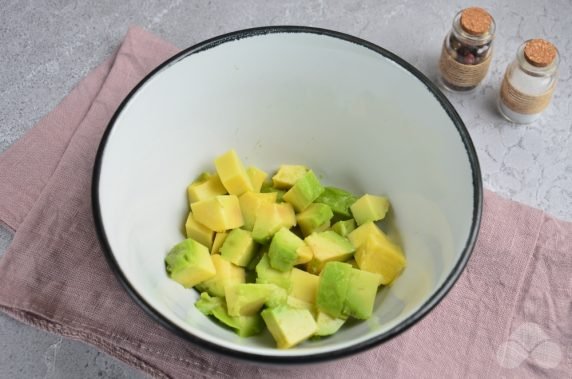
[[294, 302], [244, 326], [278, 297], [358, 236], [361, 294], [219, 213], [232, 173], [238, 247], [345, 227], [327, 325], [380, 256], [327, 246], [305, 254], [189, 263], [288, 175], [289, 326], [333, 288], [270, 218], [304, 285], [246, 299], [304, 192], [218, 241], [338, 200], [283, 250], [315, 218], [267, 188], [249, 204], [369, 208], [199, 232], [266, 274], [257, 177], [205, 187], [227, 274]]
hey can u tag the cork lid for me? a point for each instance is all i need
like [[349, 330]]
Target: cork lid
[[476, 21], [539, 52]]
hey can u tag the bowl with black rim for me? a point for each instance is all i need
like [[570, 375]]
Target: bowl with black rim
[[361, 117]]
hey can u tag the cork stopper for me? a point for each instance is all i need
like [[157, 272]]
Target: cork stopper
[[476, 21], [539, 52]]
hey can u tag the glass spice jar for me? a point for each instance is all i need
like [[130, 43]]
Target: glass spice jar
[[529, 81], [467, 50]]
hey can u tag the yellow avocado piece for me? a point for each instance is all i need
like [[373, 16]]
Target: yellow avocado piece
[[257, 177], [232, 173], [304, 285], [227, 274], [249, 204], [189, 263], [219, 213], [205, 188], [369, 208], [239, 247], [305, 254], [327, 246], [381, 257], [289, 326], [288, 175], [271, 217], [199, 232], [218, 241], [246, 299], [359, 235]]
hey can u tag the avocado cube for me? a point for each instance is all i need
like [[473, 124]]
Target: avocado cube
[[288, 175], [345, 227], [304, 192], [266, 274], [305, 254], [257, 177], [361, 294], [380, 256], [218, 241], [232, 173], [189, 263], [278, 297], [369, 208], [297, 303], [267, 188], [304, 285], [338, 200], [249, 204], [244, 326], [289, 326], [246, 299], [199, 232], [283, 250], [205, 187], [333, 288], [327, 325], [270, 218], [226, 274], [238, 247], [315, 218], [358, 236], [219, 213], [327, 246]]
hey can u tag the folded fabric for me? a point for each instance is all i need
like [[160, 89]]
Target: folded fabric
[[509, 315]]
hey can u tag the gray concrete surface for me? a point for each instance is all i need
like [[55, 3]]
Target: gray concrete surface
[[47, 46]]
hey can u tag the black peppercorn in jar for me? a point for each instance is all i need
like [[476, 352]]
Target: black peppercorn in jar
[[467, 50]]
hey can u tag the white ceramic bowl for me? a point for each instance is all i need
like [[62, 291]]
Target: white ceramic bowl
[[361, 117]]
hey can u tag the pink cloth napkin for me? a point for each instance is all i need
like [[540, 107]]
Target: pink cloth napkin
[[509, 315]]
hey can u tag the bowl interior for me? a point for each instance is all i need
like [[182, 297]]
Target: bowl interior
[[362, 121]]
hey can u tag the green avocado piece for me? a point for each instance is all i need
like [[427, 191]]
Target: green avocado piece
[[283, 250], [246, 299], [327, 246], [370, 208], [345, 227], [304, 192], [238, 247], [270, 218], [338, 200], [333, 288], [244, 326], [327, 325], [289, 326], [226, 274], [189, 263], [266, 274], [315, 218], [361, 293]]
